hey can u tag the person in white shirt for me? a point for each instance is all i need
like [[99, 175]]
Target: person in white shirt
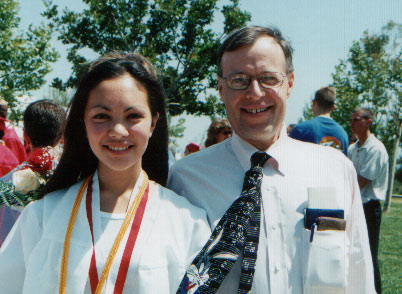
[[370, 159], [255, 80], [102, 226]]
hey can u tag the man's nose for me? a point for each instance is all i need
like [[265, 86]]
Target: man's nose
[[255, 90]]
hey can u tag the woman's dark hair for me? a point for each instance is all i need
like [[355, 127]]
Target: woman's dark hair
[[78, 161]]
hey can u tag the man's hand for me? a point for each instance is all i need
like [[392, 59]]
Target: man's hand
[[362, 181]]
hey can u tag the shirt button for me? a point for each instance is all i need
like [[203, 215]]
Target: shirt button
[[276, 269], [273, 228]]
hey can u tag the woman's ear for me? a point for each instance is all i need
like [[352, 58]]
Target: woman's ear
[[154, 121]]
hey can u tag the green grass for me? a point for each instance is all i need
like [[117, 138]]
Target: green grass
[[390, 251]]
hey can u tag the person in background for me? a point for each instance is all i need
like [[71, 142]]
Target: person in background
[[191, 148], [44, 123], [322, 129], [43, 130], [290, 128], [218, 131], [105, 223], [10, 138], [260, 243], [370, 159], [8, 161]]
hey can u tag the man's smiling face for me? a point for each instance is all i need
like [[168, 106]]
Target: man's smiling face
[[256, 113]]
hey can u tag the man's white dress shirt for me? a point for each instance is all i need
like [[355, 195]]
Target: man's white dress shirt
[[371, 162], [287, 262]]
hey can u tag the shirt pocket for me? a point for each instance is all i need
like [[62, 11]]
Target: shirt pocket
[[326, 262]]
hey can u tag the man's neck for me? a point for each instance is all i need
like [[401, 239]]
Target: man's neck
[[323, 114], [363, 137], [328, 115]]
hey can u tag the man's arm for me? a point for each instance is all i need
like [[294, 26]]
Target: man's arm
[[362, 181], [360, 272]]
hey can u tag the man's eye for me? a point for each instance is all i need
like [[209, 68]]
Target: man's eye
[[270, 80], [239, 80]]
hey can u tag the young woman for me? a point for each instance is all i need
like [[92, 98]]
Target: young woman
[[102, 226]]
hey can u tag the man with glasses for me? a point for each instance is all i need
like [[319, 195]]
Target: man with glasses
[[370, 159], [255, 80]]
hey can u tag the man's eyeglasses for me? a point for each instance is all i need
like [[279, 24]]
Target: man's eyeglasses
[[267, 80]]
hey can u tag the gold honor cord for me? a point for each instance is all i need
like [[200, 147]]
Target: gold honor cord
[[127, 220]]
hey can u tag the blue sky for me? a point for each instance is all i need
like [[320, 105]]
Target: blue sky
[[321, 32]]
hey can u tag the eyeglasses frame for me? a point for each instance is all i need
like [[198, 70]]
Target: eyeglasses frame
[[284, 76]]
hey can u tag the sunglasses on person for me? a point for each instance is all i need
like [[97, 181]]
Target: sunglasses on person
[[267, 80], [226, 132]]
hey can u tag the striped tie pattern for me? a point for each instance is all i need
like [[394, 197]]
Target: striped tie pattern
[[238, 230]]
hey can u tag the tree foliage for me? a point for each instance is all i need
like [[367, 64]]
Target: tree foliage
[[24, 57], [176, 35], [371, 77]]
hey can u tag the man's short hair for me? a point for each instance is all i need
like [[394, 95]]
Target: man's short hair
[[44, 123], [364, 112], [248, 36], [3, 108], [325, 97]]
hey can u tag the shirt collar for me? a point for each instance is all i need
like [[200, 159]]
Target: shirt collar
[[366, 143], [244, 150]]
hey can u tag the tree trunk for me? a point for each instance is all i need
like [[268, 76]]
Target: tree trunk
[[387, 204]]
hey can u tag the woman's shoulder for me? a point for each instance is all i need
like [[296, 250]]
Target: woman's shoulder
[[54, 198], [174, 201]]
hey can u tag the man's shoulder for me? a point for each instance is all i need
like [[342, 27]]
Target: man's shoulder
[[208, 156], [303, 130], [376, 146], [171, 200], [306, 124], [316, 154]]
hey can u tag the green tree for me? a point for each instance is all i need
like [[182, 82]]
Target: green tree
[[371, 76], [24, 57], [59, 97], [176, 35]]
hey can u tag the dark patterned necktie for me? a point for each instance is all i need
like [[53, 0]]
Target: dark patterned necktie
[[238, 230]]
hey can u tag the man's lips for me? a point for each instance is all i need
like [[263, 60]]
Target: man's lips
[[255, 110]]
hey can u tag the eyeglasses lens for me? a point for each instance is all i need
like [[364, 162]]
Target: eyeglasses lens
[[241, 81]]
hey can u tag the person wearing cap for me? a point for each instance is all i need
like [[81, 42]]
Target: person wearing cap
[[322, 129], [191, 148], [275, 251]]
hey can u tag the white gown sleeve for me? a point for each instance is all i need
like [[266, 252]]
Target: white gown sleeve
[[16, 250]]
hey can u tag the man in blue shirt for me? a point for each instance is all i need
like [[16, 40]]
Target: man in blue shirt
[[322, 129]]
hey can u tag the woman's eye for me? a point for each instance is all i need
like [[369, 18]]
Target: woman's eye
[[134, 116], [101, 116]]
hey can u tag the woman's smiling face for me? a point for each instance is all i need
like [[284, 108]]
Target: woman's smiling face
[[119, 123]]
